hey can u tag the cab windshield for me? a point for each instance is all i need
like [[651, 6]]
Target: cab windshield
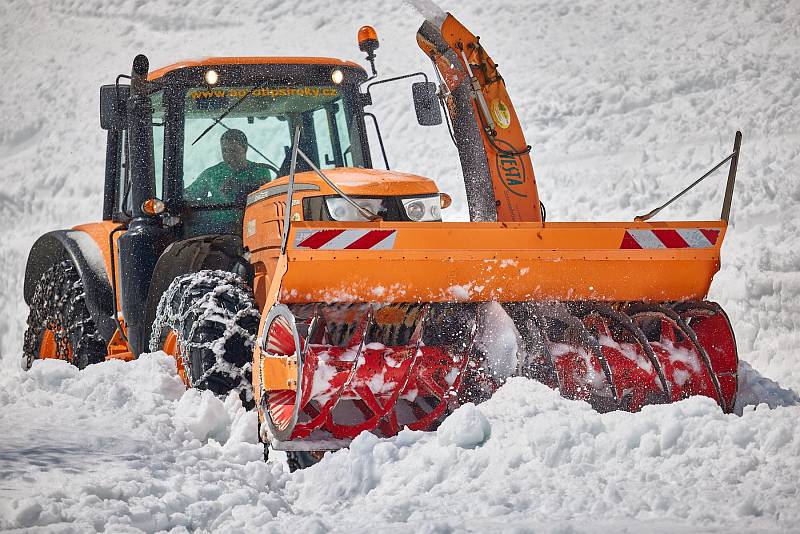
[[251, 145]]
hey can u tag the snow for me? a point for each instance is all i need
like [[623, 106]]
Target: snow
[[124, 446], [498, 338], [548, 460], [624, 104], [467, 428]]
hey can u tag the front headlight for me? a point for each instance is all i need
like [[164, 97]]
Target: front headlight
[[342, 210], [423, 209]]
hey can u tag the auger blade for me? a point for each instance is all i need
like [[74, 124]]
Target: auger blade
[[635, 376], [359, 383], [685, 362], [713, 331], [635, 353], [559, 348]]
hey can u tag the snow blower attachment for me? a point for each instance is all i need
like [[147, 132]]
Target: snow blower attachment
[[345, 347], [329, 378], [372, 325]]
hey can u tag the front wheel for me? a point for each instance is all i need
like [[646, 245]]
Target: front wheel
[[59, 324], [302, 459], [208, 321]]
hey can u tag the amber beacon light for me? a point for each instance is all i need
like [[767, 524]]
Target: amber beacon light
[[368, 42]]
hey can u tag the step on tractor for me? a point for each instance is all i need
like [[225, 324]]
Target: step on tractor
[[329, 293]]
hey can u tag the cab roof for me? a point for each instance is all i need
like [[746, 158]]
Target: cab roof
[[251, 60]]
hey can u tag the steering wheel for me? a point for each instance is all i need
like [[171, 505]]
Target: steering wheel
[[274, 169]]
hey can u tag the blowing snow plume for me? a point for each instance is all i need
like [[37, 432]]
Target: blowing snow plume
[[430, 10]]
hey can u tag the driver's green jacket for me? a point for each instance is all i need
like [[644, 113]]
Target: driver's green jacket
[[221, 184]]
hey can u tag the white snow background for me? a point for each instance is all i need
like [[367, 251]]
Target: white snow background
[[624, 103]]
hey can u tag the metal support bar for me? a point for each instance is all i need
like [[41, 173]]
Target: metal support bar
[[726, 204], [140, 139], [367, 214], [642, 218], [288, 213], [394, 79], [477, 94]]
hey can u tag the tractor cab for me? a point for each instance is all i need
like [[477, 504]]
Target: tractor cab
[[186, 145], [222, 128]]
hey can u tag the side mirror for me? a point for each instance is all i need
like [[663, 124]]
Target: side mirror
[[113, 105], [426, 103]]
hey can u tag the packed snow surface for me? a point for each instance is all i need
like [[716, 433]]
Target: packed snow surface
[[124, 447], [625, 103]]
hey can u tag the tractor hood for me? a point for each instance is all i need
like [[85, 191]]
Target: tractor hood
[[353, 181]]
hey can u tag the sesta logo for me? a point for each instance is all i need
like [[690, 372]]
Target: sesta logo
[[500, 113], [511, 170]]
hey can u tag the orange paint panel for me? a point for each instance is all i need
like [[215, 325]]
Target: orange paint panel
[[436, 262], [48, 348], [464, 237], [279, 372], [99, 233], [347, 278], [251, 60], [172, 348], [355, 181], [270, 298]]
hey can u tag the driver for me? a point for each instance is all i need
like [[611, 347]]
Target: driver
[[229, 181]]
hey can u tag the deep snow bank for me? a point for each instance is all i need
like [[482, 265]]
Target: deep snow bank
[[121, 446], [124, 446], [546, 460]]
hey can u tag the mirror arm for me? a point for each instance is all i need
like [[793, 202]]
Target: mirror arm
[[116, 86], [394, 79]]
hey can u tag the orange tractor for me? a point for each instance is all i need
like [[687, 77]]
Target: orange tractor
[[329, 293]]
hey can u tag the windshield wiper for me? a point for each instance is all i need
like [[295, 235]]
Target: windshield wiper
[[227, 112]]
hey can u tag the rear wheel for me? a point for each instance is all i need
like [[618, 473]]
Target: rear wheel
[[208, 321], [59, 324]]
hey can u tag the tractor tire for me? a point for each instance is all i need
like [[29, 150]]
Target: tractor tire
[[300, 460], [214, 318], [59, 323]]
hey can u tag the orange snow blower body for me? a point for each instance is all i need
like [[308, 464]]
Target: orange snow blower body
[[371, 325]]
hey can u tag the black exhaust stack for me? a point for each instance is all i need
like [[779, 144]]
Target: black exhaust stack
[[145, 240], [140, 138]]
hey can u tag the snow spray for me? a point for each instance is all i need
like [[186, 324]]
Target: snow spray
[[430, 10]]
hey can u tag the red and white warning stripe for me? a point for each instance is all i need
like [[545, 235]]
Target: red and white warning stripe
[[345, 239], [670, 238]]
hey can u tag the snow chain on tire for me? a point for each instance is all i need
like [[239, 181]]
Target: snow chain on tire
[[215, 320], [59, 305]]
